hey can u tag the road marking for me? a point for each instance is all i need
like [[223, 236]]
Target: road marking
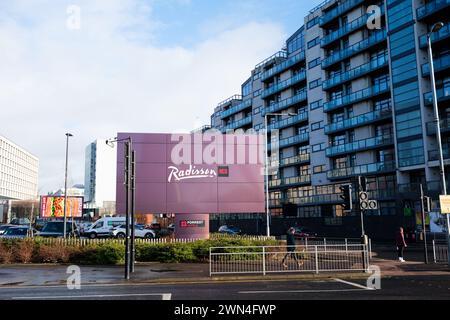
[[353, 284], [165, 296], [300, 291]]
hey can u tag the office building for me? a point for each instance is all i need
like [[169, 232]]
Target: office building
[[360, 89]]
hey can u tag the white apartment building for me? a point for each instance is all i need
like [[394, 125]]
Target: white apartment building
[[19, 172], [100, 177]]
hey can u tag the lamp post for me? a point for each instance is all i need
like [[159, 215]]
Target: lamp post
[[435, 28], [266, 126], [68, 135]]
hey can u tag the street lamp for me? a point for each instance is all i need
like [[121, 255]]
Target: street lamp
[[68, 135], [266, 126], [435, 28]]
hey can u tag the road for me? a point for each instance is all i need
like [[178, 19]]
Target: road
[[426, 287]]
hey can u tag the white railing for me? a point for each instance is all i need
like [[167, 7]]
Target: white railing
[[277, 259], [440, 251]]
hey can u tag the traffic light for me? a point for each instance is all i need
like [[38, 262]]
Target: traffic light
[[362, 184], [427, 204], [347, 197]]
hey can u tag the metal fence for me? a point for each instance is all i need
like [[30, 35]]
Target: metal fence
[[440, 251], [306, 242], [277, 259]]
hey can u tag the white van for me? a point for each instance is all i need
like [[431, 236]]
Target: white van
[[103, 227]]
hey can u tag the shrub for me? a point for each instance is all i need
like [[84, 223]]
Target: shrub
[[6, 254], [24, 251]]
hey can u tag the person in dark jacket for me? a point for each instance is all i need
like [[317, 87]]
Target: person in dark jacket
[[291, 248], [401, 244]]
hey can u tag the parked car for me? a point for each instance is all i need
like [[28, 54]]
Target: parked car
[[103, 227], [139, 232], [55, 229], [20, 221], [5, 227], [18, 233], [302, 232], [39, 224], [229, 230]]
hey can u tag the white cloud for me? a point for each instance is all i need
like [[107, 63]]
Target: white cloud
[[108, 77]]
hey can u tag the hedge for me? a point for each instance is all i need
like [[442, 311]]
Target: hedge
[[113, 253]]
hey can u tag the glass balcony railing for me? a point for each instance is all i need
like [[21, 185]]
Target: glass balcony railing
[[354, 49], [359, 121], [298, 159], [303, 179], [431, 7], [289, 121], [431, 126], [337, 11], [366, 169], [442, 34], [434, 154], [346, 29], [440, 64], [236, 97], [283, 66], [356, 96], [442, 94], [356, 72], [300, 138], [238, 124], [284, 84], [241, 106], [278, 55], [360, 145], [277, 106]]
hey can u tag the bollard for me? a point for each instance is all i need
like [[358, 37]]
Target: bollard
[[264, 260]]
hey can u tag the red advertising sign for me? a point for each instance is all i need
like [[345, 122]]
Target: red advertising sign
[[53, 207]]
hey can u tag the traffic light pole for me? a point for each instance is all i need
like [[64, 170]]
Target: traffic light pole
[[424, 227]]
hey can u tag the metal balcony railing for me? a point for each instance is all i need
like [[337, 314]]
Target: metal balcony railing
[[366, 169], [297, 139], [283, 66], [277, 106], [289, 121], [359, 121], [241, 106], [337, 11], [230, 99], [442, 94], [435, 36], [431, 7], [238, 124], [356, 72], [278, 55], [356, 96], [303, 179], [355, 49], [284, 84], [301, 158], [431, 126], [361, 145], [433, 155], [440, 64]]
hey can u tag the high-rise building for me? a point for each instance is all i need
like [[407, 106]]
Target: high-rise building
[[100, 178], [19, 171], [360, 89]]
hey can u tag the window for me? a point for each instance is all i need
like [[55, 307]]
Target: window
[[315, 105], [315, 83], [411, 153], [313, 42], [319, 169], [318, 147], [247, 89], [257, 93], [317, 126], [311, 23], [314, 63], [296, 42], [409, 124]]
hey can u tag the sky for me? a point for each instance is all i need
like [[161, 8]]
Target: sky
[[97, 67]]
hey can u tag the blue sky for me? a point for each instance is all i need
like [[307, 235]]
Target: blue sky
[[132, 66]]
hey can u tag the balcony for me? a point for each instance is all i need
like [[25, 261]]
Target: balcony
[[283, 66], [445, 127], [434, 154], [443, 94], [289, 121], [236, 97], [358, 121], [275, 88], [298, 159], [431, 8], [356, 72], [366, 169], [238, 124], [442, 34], [346, 29], [337, 11], [289, 182], [277, 106], [440, 64], [272, 58], [235, 109], [300, 138], [354, 49], [357, 96], [361, 145]]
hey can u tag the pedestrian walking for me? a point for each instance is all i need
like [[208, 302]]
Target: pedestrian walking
[[401, 244], [291, 248]]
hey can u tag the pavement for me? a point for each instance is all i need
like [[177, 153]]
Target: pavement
[[157, 281]]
